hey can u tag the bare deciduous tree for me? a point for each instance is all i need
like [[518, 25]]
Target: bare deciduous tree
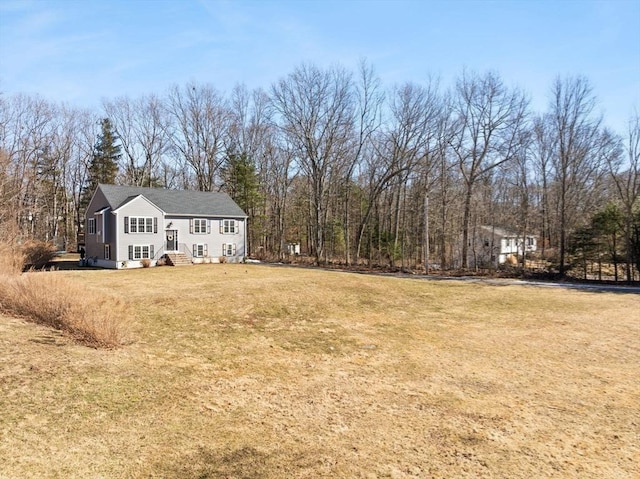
[[27, 125], [141, 126], [200, 126], [485, 134], [369, 99], [626, 178], [85, 128], [543, 149], [315, 109], [576, 161]]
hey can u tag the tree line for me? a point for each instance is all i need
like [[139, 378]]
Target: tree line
[[353, 171]]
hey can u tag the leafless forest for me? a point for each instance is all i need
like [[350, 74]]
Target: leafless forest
[[355, 171]]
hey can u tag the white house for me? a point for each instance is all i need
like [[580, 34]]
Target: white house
[[496, 245], [125, 225]]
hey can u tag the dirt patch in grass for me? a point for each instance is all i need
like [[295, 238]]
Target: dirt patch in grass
[[259, 372]]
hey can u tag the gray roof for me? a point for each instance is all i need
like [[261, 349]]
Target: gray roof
[[175, 202], [501, 232]]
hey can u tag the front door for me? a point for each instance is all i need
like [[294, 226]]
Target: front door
[[172, 240]]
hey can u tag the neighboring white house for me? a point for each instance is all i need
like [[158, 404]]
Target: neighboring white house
[[293, 249], [495, 245], [125, 225]]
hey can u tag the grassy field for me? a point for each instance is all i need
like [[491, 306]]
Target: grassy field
[[259, 372]]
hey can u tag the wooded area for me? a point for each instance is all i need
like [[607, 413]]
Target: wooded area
[[352, 170]]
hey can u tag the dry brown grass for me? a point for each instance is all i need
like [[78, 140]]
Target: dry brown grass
[[260, 372], [12, 258], [89, 317], [37, 254], [15, 258]]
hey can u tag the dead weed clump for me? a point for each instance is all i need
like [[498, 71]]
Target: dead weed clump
[[37, 254], [45, 298], [15, 258], [12, 258]]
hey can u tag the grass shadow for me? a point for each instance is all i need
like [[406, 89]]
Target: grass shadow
[[69, 262], [243, 463]]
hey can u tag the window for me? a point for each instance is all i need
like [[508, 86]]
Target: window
[[229, 249], [228, 227], [91, 226], [137, 252], [200, 250], [140, 224], [199, 226], [107, 251], [530, 240]]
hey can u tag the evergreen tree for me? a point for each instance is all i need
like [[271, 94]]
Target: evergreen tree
[[104, 162], [241, 181], [584, 248], [607, 225]]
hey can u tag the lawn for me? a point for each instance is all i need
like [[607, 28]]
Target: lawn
[[253, 371]]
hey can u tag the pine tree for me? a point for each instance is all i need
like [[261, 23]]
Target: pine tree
[[104, 162], [241, 181]]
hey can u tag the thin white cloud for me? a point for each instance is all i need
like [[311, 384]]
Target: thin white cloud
[[107, 49]]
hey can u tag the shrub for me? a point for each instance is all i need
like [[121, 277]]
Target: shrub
[[222, 259], [37, 254], [146, 262], [89, 317]]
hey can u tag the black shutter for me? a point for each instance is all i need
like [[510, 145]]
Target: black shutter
[[126, 224], [131, 252], [151, 254], [155, 224]]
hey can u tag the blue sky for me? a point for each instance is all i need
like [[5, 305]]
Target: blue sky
[[82, 51]]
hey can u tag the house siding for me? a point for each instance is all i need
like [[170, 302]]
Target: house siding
[[494, 246], [94, 247], [213, 239], [136, 208]]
